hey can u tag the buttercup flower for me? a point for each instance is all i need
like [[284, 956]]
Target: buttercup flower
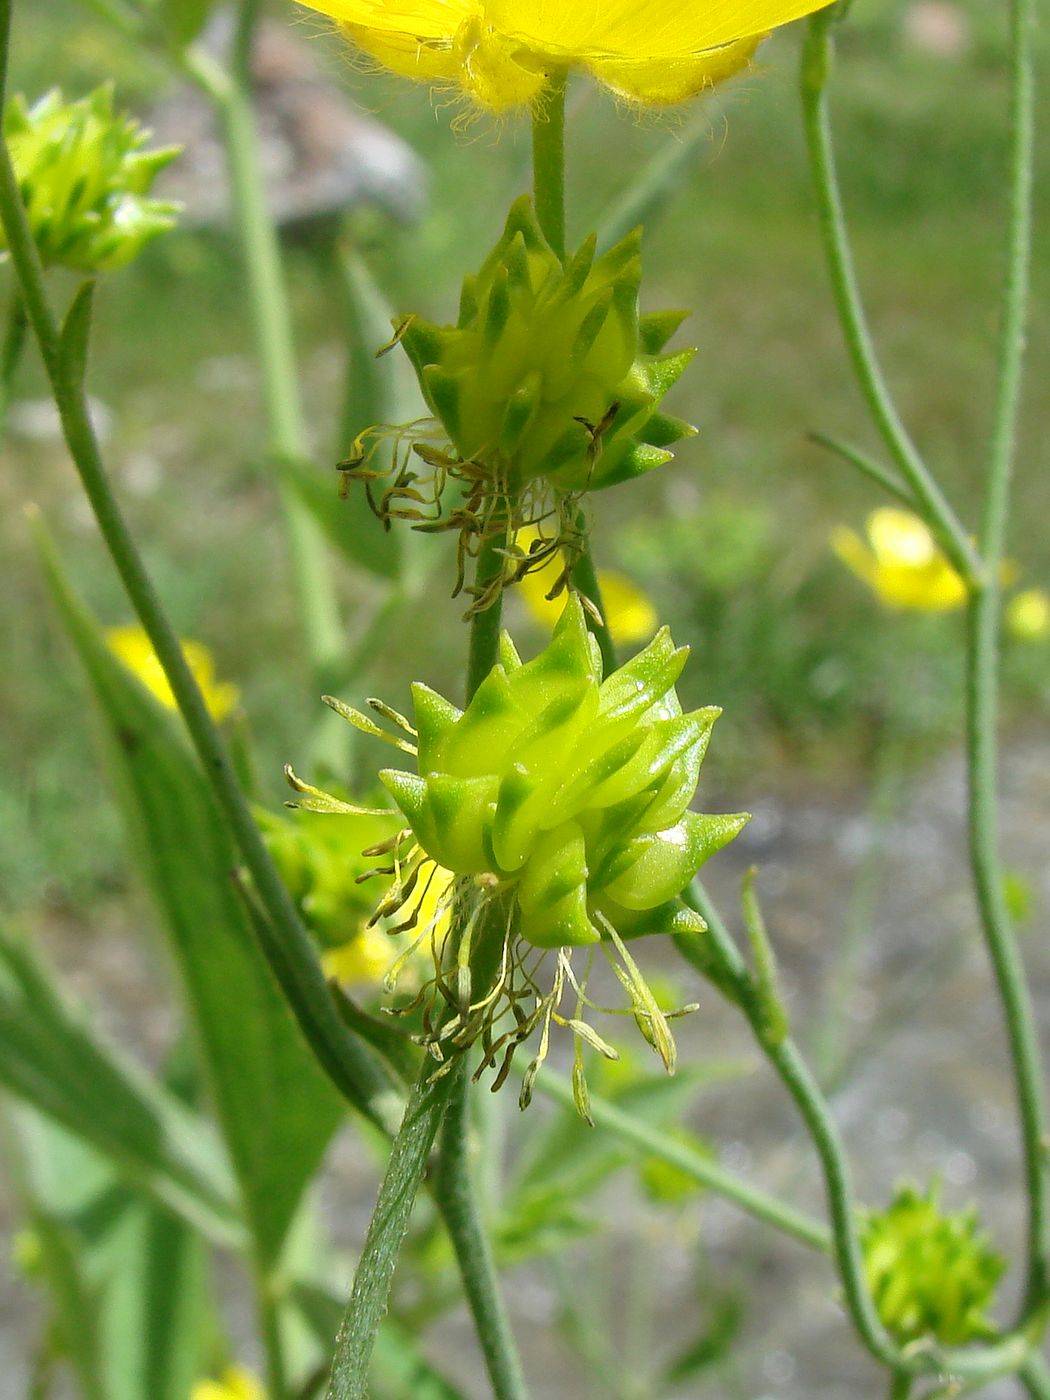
[[901, 563], [135, 649], [503, 53], [85, 180], [560, 802], [931, 1274], [1028, 615], [235, 1384]]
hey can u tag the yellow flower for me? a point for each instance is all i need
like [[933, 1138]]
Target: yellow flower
[[502, 53], [901, 563], [235, 1384], [1028, 615], [134, 648], [370, 955], [628, 611]]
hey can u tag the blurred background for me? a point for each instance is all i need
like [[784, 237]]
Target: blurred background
[[841, 718]]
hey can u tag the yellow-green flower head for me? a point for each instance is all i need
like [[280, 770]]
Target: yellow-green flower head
[[570, 791], [503, 53], [932, 1274], [550, 372], [901, 563], [235, 1384], [132, 646], [85, 179]]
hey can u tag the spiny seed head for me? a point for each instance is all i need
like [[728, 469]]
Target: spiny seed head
[[550, 371], [932, 1274], [569, 789], [85, 180]]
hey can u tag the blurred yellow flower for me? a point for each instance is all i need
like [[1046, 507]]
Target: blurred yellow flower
[[901, 562], [135, 649], [502, 53], [235, 1384], [367, 958], [629, 612], [1028, 615]]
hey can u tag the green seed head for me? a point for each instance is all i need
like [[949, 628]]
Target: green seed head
[[550, 371], [570, 790], [85, 180], [931, 1274]]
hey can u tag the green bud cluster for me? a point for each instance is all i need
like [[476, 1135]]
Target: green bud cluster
[[550, 371], [323, 865], [931, 1274], [85, 180], [570, 789]]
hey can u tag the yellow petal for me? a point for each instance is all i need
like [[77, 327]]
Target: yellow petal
[[236, 1384], [658, 29], [419, 19], [132, 646], [363, 960], [663, 82]]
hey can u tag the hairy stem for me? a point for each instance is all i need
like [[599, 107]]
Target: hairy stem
[[982, 691], [11, 353], [816, 66]]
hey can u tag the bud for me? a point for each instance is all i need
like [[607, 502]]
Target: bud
[[931, 1274], [85, 180]]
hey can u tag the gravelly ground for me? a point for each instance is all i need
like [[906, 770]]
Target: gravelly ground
[[931, 1094]]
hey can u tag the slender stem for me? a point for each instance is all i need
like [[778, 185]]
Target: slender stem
[[548, 163], [803, 1088], [657, 1144], [456, 1192], [868, 467], [983, 664], [443, 1105], [285, 942], [11, 353], [370, 1294], [231, 93], [816, 66], [277, 1387], [485, 626], [900, 1386], [716, 956], [585, 580]]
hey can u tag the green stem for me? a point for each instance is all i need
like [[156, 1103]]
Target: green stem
[[900, 1386], [983, 664], [650, 1140], [369, 1297], [277, 1386], [285, 942], [443, 1104], [816, 66], [548, 163], [11, 353], [716, 956], [456, 1192], [585, 581], [231, 92]]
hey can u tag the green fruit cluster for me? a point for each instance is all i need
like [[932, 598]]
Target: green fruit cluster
[[85, 180], [571, 789], [550, 371]]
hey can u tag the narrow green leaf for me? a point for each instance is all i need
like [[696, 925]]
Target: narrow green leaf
[[50, 1060], [276, 1108]]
